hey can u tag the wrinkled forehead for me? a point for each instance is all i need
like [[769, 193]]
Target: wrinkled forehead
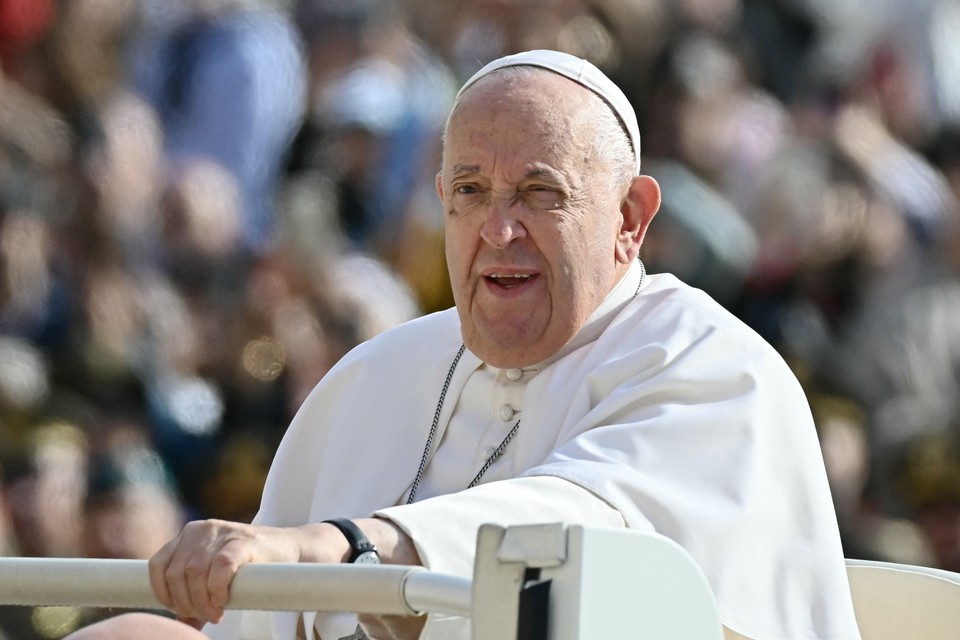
[[520, 117], [546, 98], [578, 70]]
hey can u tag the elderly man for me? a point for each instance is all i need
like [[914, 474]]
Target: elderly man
[[567, 385]]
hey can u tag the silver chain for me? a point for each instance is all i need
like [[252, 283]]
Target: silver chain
[[433, 427], [424, 459], [496, 454]]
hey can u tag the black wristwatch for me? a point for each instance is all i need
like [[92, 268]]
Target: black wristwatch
[[362, 551]]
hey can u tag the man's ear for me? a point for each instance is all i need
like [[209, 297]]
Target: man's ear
[[440, 185], [638, 208]]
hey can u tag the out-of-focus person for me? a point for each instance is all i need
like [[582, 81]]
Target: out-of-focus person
[[228, 79]]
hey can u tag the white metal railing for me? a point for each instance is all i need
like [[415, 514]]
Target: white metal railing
[[390, 589], [584, 583]]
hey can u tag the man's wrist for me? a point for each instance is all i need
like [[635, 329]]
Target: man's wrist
[[362, 550], [322, 542]]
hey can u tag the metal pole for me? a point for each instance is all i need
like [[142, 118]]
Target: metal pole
[[388, 589]]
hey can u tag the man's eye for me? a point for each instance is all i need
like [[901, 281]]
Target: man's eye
[[544, 196], [465, 189]]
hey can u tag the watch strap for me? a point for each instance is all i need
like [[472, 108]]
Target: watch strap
[[359, 543]]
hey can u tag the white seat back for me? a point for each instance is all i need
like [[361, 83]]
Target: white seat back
[[903, 602]]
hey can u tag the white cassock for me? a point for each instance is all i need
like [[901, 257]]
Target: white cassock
[[665, 413]]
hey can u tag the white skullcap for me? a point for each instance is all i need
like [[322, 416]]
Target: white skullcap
[[580, 71]]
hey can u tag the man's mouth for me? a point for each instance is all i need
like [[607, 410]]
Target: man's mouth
[[508, 280]]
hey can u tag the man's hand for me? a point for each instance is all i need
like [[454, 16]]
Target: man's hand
[[191, 574]]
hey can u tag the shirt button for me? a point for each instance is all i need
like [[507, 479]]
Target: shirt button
[[506, 412], [487, 452], [514, 374]]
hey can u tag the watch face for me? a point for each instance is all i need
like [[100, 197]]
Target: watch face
[[367, 557]]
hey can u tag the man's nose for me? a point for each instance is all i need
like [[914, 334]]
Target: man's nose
[[502, 224]]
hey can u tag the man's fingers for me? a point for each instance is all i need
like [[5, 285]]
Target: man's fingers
[[178, 583], [197, 573], [157, 566], [192, 574], [179, 571], [223, 568]]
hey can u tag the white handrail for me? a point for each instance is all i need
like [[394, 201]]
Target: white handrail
[[388, 589], [585, 571]]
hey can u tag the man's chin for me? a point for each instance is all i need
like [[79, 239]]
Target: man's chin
[[512, 353]]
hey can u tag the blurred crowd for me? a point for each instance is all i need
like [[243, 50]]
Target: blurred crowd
[[205, 203]]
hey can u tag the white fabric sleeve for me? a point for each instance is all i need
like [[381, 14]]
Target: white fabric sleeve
[[444, 528]]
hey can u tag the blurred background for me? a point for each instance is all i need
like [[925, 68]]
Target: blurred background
[[205, 203]]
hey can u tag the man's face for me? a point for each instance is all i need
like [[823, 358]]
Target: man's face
[[533, 217]]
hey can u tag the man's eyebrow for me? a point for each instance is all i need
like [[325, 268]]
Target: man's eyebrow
[[464, 169], [543, 174], [537, 173]]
